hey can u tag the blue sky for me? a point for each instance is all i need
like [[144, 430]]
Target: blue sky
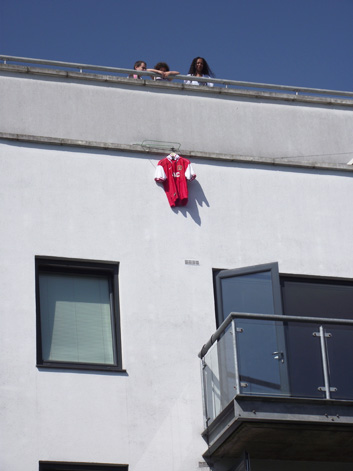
[[305, 43]]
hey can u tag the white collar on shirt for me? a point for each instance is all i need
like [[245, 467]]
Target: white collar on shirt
[[173, 157]]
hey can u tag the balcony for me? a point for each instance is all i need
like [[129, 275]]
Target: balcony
[[278, 388]]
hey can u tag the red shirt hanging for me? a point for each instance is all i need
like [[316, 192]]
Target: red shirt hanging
[[174, 171]]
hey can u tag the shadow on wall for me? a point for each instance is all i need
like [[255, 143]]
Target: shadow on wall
[[196, 198]]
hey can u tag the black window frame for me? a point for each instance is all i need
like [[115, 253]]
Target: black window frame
[[70, 466], [80, 267]]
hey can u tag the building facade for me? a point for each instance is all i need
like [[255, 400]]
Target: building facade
[[109, 294]]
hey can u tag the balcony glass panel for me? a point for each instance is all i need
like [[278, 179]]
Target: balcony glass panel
[[261, 357], [219, 375], [304, 359], [275, 358], [339, 346]]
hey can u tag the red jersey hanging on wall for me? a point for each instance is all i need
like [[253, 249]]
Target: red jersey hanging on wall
[[174, 171]]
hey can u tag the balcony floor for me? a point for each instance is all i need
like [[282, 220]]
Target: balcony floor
[[282, 429]]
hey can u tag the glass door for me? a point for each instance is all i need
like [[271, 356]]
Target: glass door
[[260, 344]]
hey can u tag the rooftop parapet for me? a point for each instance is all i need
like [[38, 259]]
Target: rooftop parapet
[[218, 82], [52, 102]]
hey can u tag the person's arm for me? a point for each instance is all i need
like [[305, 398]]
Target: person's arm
[[171, 72], [156, 71], [209, 84]]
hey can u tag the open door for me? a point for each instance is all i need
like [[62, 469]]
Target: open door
[[260, 344]]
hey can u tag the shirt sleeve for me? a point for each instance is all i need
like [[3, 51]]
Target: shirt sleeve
[[160, 175], [189, 173]]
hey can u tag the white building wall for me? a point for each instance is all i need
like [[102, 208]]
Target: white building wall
[[126, 112], [105, 205]]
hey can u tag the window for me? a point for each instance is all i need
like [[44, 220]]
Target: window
[[317, 297], [63, 466], [77, 315]]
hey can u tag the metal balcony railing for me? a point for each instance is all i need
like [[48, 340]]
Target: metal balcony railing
[[218, 82], [274, 356]]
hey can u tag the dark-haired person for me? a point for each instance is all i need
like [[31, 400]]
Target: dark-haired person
[[142, 65], [163, 69], [200, 68]]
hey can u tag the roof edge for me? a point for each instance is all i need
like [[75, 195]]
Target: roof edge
[[139, 149], [215, 91]]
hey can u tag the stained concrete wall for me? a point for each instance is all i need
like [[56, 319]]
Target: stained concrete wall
[[218, 120], [104, 205]]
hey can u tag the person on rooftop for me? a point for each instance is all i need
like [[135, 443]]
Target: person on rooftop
[[166, 74], [142, 65], [200, 68]]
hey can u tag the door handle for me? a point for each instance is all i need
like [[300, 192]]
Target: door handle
[[278, 356]]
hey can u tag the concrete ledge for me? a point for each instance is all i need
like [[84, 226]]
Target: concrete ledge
[[176, 86], [137, 148]]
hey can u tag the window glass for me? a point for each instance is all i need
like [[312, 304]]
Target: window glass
[[248, 293], [76, 319], [315, 297], [77, 314], [65, 466]]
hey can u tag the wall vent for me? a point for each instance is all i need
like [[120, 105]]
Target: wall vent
[[192, 262]]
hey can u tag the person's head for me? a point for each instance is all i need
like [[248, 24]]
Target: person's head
[[162, 66], [140, 65], [199, 66]]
